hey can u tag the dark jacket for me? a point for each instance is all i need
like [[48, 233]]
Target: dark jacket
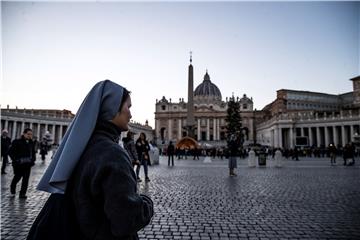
[[22, 148], [5, 145], [171, 150], [143, 150], [129, 146], [105, 196]]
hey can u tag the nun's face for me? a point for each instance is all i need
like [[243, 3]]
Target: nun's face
[[123, 117]]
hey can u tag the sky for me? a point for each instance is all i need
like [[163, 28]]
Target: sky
[[54, 52]]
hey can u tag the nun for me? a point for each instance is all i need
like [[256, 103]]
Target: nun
[[91, 181]]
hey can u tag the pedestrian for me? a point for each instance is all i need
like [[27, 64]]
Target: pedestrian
[[44, 149], [91, 178], [332, 150], [142, 147], [5, 145], [22, 154], [233, 147], [170, 153], [129, 146]]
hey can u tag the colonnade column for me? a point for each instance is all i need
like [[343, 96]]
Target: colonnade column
[[351, 133], [179, 129], [53, 132], [318, 139], [208, 129], [22, 127], [343, 138], [38, 132], [311, 140], [169, 129], [326, 132], [218, 129], [214, 129], [336, 136], [6, 125], [291, 131], [60, 134], [13, 134], [198, 129]]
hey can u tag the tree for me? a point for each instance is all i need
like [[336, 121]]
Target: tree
[[233, 120]]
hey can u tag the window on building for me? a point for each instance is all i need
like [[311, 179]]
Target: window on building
[[245, 106], [163, 107]]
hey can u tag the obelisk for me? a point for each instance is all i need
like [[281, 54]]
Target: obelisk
[[190, 121]]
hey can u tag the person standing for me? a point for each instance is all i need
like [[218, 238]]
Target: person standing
[[5, 145], [44, 147], [233, 148], [22, 153], [170, 153], [332, 152], [93, 176], [129, 146], [142, 147]]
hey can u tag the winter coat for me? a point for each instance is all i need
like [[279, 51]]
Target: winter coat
[[22, 148], [129, 145], [143, 151], [5, 145], [105, 193]]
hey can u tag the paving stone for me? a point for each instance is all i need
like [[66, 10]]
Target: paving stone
[[306, 199]]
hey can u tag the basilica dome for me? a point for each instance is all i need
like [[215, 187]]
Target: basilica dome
[[207, 90]]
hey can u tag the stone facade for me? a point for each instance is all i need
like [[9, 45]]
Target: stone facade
[[55, 122], [209, 112], [303, 118]]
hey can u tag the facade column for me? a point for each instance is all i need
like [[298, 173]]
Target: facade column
[[198, 129], [280, 138], [336, 136], [276, 138], [207, 129], [311, 140], [46, 128], [343, 137], [6, 125], [302, 132], [169, 129], [218, 129], [214, 129], [318, 139], [179, 129], [157, 127], [327, 140]]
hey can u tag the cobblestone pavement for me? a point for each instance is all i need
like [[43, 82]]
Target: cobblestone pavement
[[306, 199]]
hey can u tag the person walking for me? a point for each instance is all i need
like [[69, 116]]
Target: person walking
[[91, 178], [44, 147], [170, 153], [332, 151], [5, 145], [22, 153], [142, 147], [129, 145]]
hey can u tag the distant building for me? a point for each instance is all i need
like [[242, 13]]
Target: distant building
[[209, 114], [304, 118], [55, 122], [294, 118]]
